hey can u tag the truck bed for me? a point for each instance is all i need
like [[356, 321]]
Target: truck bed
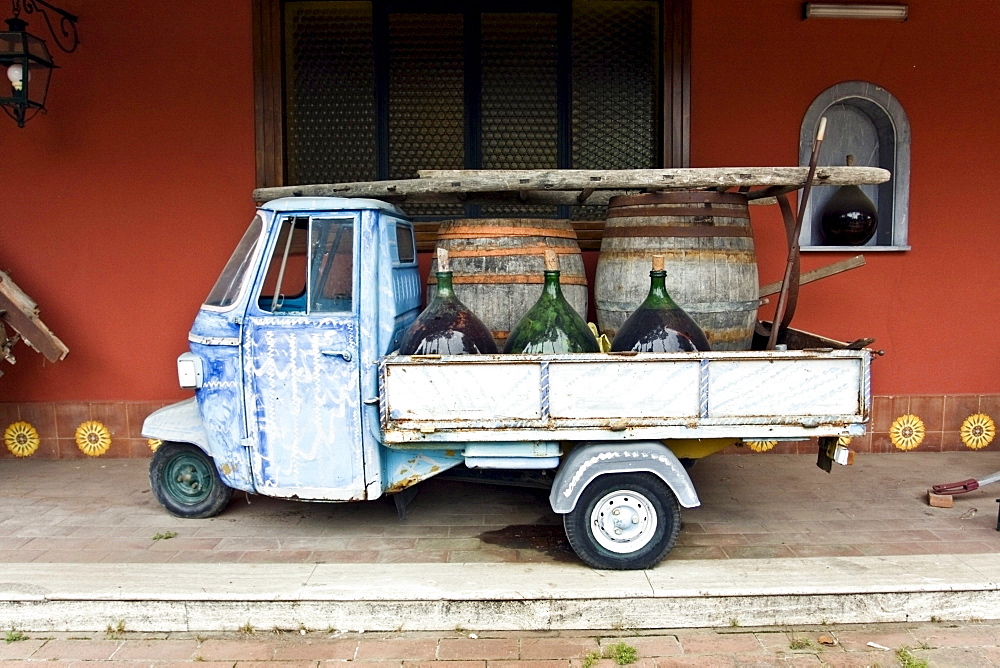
[[795, 394]]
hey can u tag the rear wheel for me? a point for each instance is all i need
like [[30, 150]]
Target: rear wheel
[[624, 521], [185, 481]]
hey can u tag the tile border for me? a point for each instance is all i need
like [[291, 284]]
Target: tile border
[[941, 417]]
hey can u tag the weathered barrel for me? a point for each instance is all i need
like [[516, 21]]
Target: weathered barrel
[[710, 262], [498, 266]]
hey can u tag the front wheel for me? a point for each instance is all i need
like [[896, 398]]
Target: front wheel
[[185, 481], [624, 521]]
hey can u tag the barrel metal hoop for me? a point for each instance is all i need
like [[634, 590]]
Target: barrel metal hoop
[[678, 231], [535, 249], [512, 279], [679, 197], [698, 213], [491, 232]]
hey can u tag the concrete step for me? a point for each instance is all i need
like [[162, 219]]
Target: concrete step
[[445, 597]]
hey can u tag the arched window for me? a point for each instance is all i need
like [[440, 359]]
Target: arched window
[[867, 122]]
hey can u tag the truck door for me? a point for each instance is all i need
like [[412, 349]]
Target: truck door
[[302, 363]]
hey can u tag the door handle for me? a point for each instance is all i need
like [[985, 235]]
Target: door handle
[[346, 354]]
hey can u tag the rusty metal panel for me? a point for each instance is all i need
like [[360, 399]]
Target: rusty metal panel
[[654, 390], [749, 388], [464, 392], [772, 394]]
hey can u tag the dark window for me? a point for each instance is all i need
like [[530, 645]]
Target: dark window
[[380, 89], [404, 243]]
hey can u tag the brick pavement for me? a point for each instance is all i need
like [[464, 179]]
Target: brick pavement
[[944, 645], [755, 506]]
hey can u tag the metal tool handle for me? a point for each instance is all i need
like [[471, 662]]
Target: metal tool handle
[[346, 354]]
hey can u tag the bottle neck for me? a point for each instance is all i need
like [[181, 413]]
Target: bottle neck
[[444, 288], [658, 289], [551, 288]]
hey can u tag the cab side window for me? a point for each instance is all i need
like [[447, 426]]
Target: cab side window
[[404, 243], [311, 268], [332, 278]]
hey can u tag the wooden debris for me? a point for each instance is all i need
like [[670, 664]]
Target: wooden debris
[[817, 274], [940, 500], [19, 312]]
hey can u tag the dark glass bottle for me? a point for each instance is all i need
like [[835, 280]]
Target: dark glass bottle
[[551, 325], [659, 325], [446, 326], [849, 217]]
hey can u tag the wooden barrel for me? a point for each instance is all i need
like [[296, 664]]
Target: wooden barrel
[[498, 266], [710, 262]]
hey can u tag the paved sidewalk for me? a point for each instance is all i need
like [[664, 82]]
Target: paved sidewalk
[[754, 506], [943, 645], [776, 542]]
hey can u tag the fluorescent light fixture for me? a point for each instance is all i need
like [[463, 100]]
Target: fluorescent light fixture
[[829, 10]]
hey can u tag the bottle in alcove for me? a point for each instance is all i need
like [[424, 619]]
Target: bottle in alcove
[[446, 326], [849, 217], [551, 325], [659, 325]]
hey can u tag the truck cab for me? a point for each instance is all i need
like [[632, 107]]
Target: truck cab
[[283, 356]]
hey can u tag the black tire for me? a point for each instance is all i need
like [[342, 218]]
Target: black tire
[[650, 522], [184, 479]]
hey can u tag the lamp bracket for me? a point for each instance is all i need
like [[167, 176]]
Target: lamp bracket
[[66, 37]]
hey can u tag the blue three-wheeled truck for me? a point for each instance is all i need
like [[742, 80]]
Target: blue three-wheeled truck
[[298, 394]]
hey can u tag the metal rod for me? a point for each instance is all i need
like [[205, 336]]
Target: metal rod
[[793, 246]]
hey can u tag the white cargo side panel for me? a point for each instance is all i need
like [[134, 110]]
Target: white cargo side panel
[[456, 391], [784, 387], [622, 390]]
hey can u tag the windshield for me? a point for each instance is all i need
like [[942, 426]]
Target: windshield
[[227, 288]]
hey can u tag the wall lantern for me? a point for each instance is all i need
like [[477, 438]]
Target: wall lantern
[[829, 10], [26, 60]]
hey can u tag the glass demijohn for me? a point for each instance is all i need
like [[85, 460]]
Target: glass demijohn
[[551, 326], [446, 326], [849, 217], [659, 325]]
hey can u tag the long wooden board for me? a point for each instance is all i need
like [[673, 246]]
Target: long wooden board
[[574, 186], [682, 179]]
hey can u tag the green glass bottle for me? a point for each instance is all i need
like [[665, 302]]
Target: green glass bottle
[[659, 325], [551, 326], [446, 326]]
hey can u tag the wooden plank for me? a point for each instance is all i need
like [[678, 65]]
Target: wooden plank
[[817, 274], [565, 186], [268, 93], [20, 312], [684, 178]]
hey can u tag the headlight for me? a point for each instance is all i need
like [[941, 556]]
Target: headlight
[[190, 372]]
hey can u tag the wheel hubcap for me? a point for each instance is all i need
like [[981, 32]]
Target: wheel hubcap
[[188, 479], [623, 521]]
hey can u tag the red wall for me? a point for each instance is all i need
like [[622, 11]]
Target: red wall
[[122, 203], [757, 67]]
